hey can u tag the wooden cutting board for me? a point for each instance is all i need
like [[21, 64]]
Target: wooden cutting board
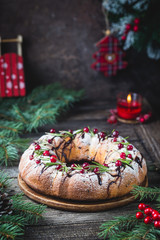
[[75, 206]]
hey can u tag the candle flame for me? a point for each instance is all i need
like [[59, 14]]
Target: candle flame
[[129, 98]]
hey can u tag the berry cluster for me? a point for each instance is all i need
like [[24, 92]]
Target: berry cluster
[[129, 27], [150, 215]]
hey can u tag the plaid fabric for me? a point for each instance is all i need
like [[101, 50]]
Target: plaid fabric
[[109, 57]]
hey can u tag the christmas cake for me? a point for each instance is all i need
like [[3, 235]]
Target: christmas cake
[[83, 165]]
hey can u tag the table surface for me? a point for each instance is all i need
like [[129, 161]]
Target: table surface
[[58, 224]]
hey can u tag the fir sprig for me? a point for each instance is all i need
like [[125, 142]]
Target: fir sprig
[[20, 115], [23, 213], [145, 192]]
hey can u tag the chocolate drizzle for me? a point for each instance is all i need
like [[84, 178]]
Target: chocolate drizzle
[[99, 179], [118, 175], [137, 159]]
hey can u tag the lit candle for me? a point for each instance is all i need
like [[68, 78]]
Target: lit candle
[[129, 106]]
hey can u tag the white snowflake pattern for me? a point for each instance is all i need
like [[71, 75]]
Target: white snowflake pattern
[[20, 77], [19, 66], [9, 85], [7, 91], [7, 77], [21, 85], [16, 87], [13, 76], [2, 60], [5, 65], [2, 73]]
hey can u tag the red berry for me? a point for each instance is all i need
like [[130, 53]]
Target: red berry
[[95, 130], [129, 156], [53, 158], [86, 129], [148, 220], [52, 130], [128, 27], [96, 170], [148, 211], [154, 212], [129, 147], [120, 145], [115, 134], [46, 153], [49, 140], [82, 171], [157, 224], [73, 166], [38, 161], [135, 28], [114, 139], [102, 135], [139, 215], [58, 167], [70, 131], [122, 155], [136, 20], [123, 140], [123, 38], [31, 157], [105, 165], [142, 120], [118, 163], [156, 216], [85, 165], [37, 147], [141, 206]]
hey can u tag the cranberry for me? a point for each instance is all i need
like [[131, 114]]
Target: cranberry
[[31, 157], [135, 28], [123, 38], [105, 165], [53, 158], [154, 212], [85, 165], [86, 129], [142, 120], [82, 171], [129, 147], [52, 130], [115, 134], [49, 140], [148, 220], [73, 166], [114, 139], [38, 161], [157, 224], [96, 170], [70, 131], [46, 153], [129, 156], [156, 216], [58, 167], [118, 163], [95, 130], [120, 145], [139, 215], [148, 211], [102, 135], [37, 147], [136, 21], [128, 27], [122, 155], [141, 206]]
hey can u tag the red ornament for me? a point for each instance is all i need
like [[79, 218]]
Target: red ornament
[[135, 28], [136, 21], [109, 57]]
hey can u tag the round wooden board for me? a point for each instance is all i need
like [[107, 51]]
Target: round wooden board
[[127, 121], [74, 206]]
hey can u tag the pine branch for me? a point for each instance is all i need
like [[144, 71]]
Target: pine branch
[[4, 179], [31, 212], [10, 231], [145, 192]]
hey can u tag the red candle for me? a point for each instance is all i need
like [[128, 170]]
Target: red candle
[[129, 106]]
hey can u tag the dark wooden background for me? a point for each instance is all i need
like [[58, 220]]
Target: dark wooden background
[[59, 40]]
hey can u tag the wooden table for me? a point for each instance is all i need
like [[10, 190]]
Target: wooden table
[[58, 224]]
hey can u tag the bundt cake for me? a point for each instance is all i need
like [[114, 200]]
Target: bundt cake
[[83, 165]]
